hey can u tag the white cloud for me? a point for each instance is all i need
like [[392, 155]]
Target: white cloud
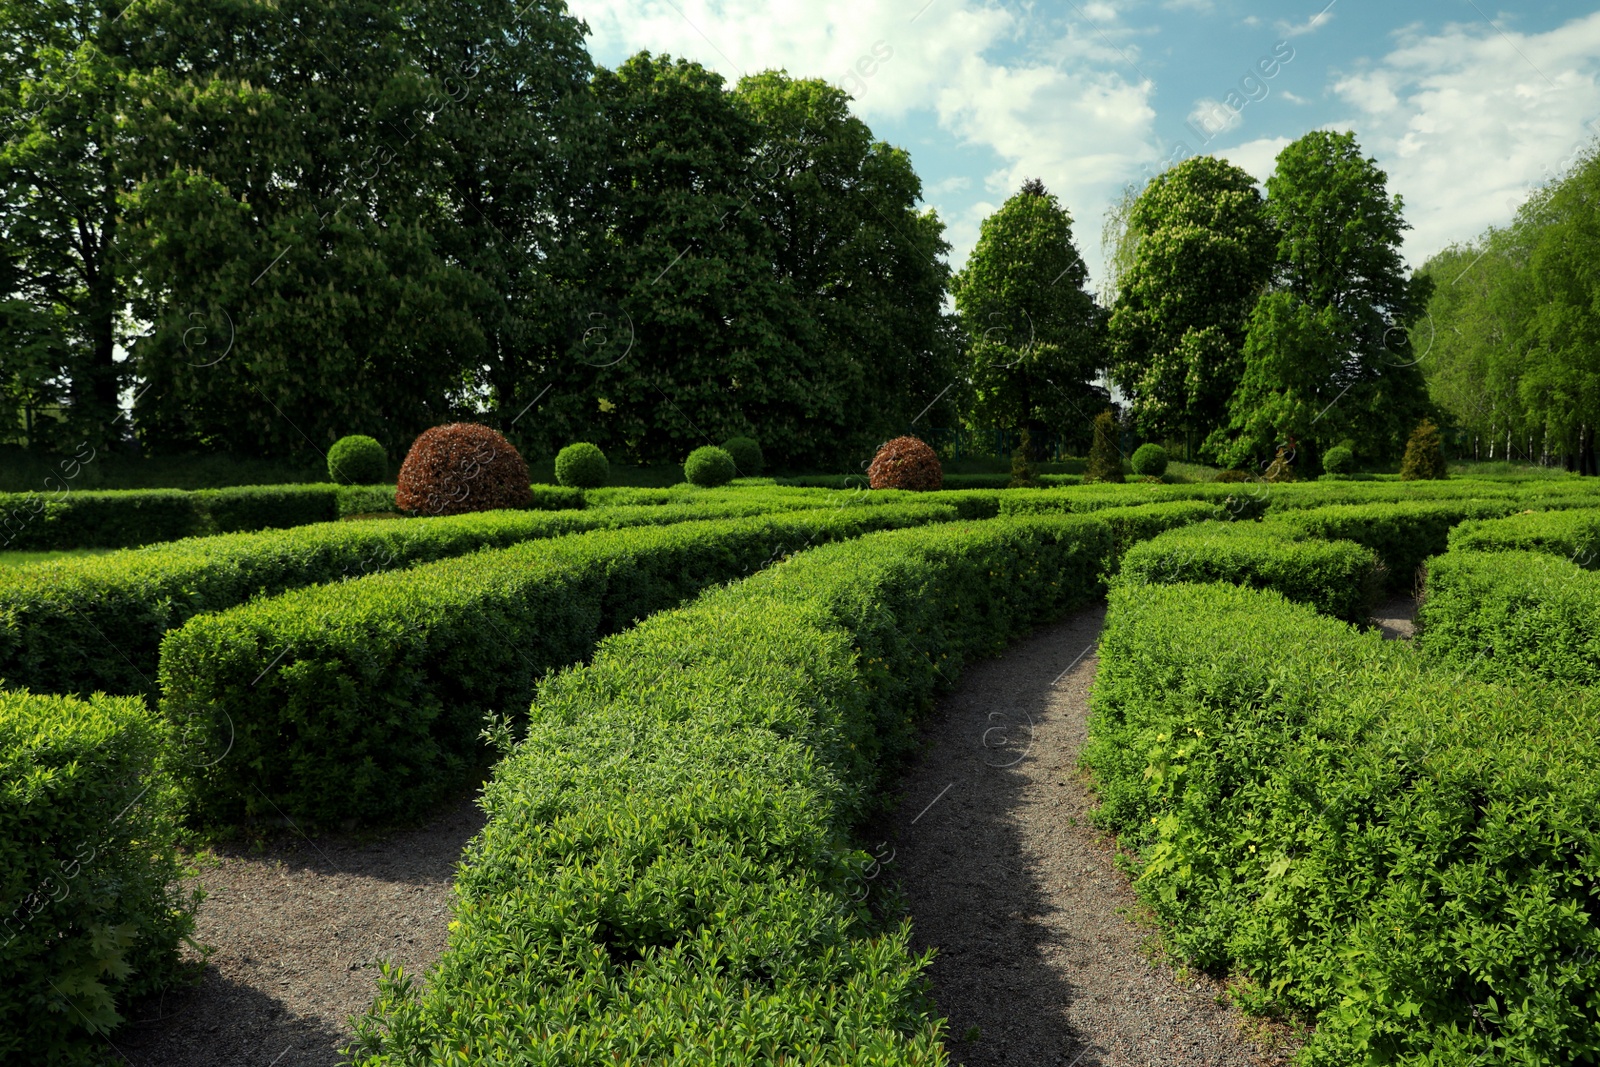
[[1291, 97], [1468, 121], [1212, 117], [1258, 158], [1311, 25]]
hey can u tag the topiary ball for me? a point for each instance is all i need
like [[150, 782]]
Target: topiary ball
[[358, 460], [582, 466], [746, 455], [708, 467], [905, 463], [1149, 460], [1339, 460], [462, 467]]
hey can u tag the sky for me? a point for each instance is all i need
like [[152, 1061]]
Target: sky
[[1467, 107]]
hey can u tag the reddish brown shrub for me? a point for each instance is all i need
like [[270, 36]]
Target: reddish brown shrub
[[905, 463], [461, 467]]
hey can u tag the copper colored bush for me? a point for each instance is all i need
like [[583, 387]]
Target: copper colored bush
[[905, 463], [461, 467]]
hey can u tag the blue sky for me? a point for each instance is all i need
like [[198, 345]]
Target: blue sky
[[1467, 106]]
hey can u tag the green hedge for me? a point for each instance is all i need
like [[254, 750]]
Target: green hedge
[[1241, 501], [1338, 578], [1404, 858], [89, 519], [95, 623], [1513, 617], [364, 700], [1402, 535], [1573, 534], [667, 874], [90, 911], [264, 507]]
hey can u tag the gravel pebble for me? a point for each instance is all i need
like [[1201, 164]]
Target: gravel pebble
[[298, 931]]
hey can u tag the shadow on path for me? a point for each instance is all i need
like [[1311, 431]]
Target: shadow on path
[[1037, 961], [299, 930]]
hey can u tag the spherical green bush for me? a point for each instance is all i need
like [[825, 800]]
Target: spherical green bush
[[358, 460], [582, 466], [746, 455], [1150, 460], [1339, 460], [709, 466]]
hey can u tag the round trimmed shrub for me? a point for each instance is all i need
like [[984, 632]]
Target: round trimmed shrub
[[582, 466], [709, 466], [1339, 460], [746, 455], [905, 463], [461, 467], [1149, 460], [358, 460]]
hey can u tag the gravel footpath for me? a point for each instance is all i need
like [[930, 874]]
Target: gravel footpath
[[1395, 617], [1038, 959], [299, 929]]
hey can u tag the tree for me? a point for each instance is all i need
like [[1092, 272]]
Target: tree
[[1105, 458], [1327, 354], [1036, 335], [1202, 257], [63, 89], [853, 250], [1424, 456]]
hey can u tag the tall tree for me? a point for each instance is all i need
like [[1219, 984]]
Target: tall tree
[[851, 247], [1036, 335], [1328, 354], [63, 90], [1203, 256]]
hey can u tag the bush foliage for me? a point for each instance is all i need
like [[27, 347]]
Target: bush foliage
[[461, 467], [1424, 458], [299, 678], [905, 463], [1149, 460], [708, 467], [1339, 460], [357, 460], [1400, 857], [746, 455], [582, 466], [93, 915], [691, 893], [1105, 458]]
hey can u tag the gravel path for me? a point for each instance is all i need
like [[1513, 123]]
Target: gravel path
[[1038, 961], [299, 930], [1395, 617]]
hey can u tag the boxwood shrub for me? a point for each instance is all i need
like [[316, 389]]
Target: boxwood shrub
[[1402, 858], [364, 700], [1338, 578], [668, 875], [266, 507], [95, 623], [97, 519], [1574, 534], [1512, 617], [1402, 534], [91, 914]]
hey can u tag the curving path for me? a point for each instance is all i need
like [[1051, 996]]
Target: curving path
[[1040, 957]]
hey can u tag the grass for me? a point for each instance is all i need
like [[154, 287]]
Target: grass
[[22, 559]]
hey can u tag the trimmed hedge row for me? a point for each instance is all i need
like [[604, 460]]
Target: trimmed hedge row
[[1512, 617], [1404, 859], [365, 700], [1573, 534], [90, 912], [1402, 535], [128, 518], [1338, 578], [667, 876], [80, 625]]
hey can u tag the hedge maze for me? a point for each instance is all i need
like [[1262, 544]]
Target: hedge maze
[[686, 702]]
